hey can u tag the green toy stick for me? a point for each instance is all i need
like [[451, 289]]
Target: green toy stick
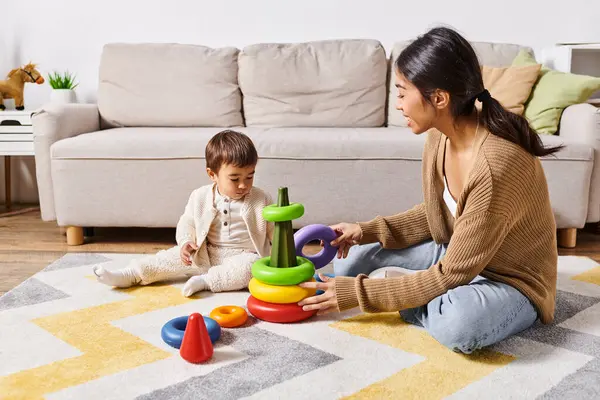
[[283, 253]]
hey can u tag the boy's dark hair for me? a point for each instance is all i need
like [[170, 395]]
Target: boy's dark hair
[[443, 59], [230, 147]]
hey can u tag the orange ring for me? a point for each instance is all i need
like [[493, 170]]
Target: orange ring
[[229, 316]]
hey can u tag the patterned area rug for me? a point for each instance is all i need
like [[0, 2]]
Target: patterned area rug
[[65, 336]]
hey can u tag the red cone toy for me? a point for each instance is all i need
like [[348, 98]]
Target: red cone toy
[[196, 346]]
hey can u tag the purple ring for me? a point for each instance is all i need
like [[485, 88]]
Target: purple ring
[[316, 232]]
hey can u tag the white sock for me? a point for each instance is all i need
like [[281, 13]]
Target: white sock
[[193, 285], [122, 278]]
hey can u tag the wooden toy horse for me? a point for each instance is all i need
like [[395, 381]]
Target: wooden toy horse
[[12, 88]]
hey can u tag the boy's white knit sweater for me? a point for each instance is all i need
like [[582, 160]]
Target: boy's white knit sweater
[[200, 212]]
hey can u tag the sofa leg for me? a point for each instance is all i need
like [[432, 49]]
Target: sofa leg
[[567, 237], [74, 235]]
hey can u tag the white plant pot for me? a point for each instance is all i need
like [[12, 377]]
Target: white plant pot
[[62, 96]]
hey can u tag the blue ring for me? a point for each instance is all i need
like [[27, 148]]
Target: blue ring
[[319, 280], [172, 332]]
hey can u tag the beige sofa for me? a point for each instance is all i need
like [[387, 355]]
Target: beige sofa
[[321, 115]]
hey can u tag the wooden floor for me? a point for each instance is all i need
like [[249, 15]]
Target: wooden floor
[[28, 244]]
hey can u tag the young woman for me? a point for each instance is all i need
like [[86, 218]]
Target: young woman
[[483, 242]]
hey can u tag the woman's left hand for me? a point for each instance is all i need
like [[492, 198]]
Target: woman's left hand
[[325, 302]]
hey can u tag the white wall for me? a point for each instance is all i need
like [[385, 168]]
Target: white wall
[[69, 34]]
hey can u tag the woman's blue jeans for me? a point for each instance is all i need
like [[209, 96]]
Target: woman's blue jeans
[[463, 319]]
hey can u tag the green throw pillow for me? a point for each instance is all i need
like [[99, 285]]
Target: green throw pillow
[[552, 93]]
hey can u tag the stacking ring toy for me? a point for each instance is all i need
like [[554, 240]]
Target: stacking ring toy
[[273, 213], [172, 332], [229, 316], [279, 313], [262, 271], [279, 294], [316, 232]]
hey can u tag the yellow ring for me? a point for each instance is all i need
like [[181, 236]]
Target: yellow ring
[[279, 294]]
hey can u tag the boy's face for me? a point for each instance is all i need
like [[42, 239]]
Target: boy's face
[[234, 182]]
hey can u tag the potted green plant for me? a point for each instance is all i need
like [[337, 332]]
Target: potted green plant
[[63, 85]]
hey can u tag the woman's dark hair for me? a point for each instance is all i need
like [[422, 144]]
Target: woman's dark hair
[[443, 59]]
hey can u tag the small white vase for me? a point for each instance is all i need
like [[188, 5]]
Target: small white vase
[[62, 96]]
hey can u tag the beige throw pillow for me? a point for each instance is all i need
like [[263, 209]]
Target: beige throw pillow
[[511, 86]]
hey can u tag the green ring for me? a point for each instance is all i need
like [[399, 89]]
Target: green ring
[[262, 271], [273, 213]]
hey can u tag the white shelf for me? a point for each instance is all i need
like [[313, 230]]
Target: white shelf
[[8, 129], [16, 140], [576, 58], [593, 46], [16, 148], [22, 117], [16, 137], [17, 112]]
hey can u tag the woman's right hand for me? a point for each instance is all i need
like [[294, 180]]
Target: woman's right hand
[[348, 236]]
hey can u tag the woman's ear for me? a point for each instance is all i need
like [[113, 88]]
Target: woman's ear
[[440, 99]]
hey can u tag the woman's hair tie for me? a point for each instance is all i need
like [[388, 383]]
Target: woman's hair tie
[[483, 96]]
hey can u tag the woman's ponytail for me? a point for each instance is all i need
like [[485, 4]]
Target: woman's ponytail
[[510, 126]]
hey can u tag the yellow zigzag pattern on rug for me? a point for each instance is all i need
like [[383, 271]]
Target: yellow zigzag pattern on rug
[[106, 349], [444, 370], [591, 276]]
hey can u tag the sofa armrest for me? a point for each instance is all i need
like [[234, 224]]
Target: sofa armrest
[[52, 123], [580, 123]]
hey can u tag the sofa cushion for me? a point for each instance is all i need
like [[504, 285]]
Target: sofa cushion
[[325, 83], [290, 143], [271, 143], [340, 144], [496, 54], [490, 54], [169, 85], [511, 86], [141, 143]]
